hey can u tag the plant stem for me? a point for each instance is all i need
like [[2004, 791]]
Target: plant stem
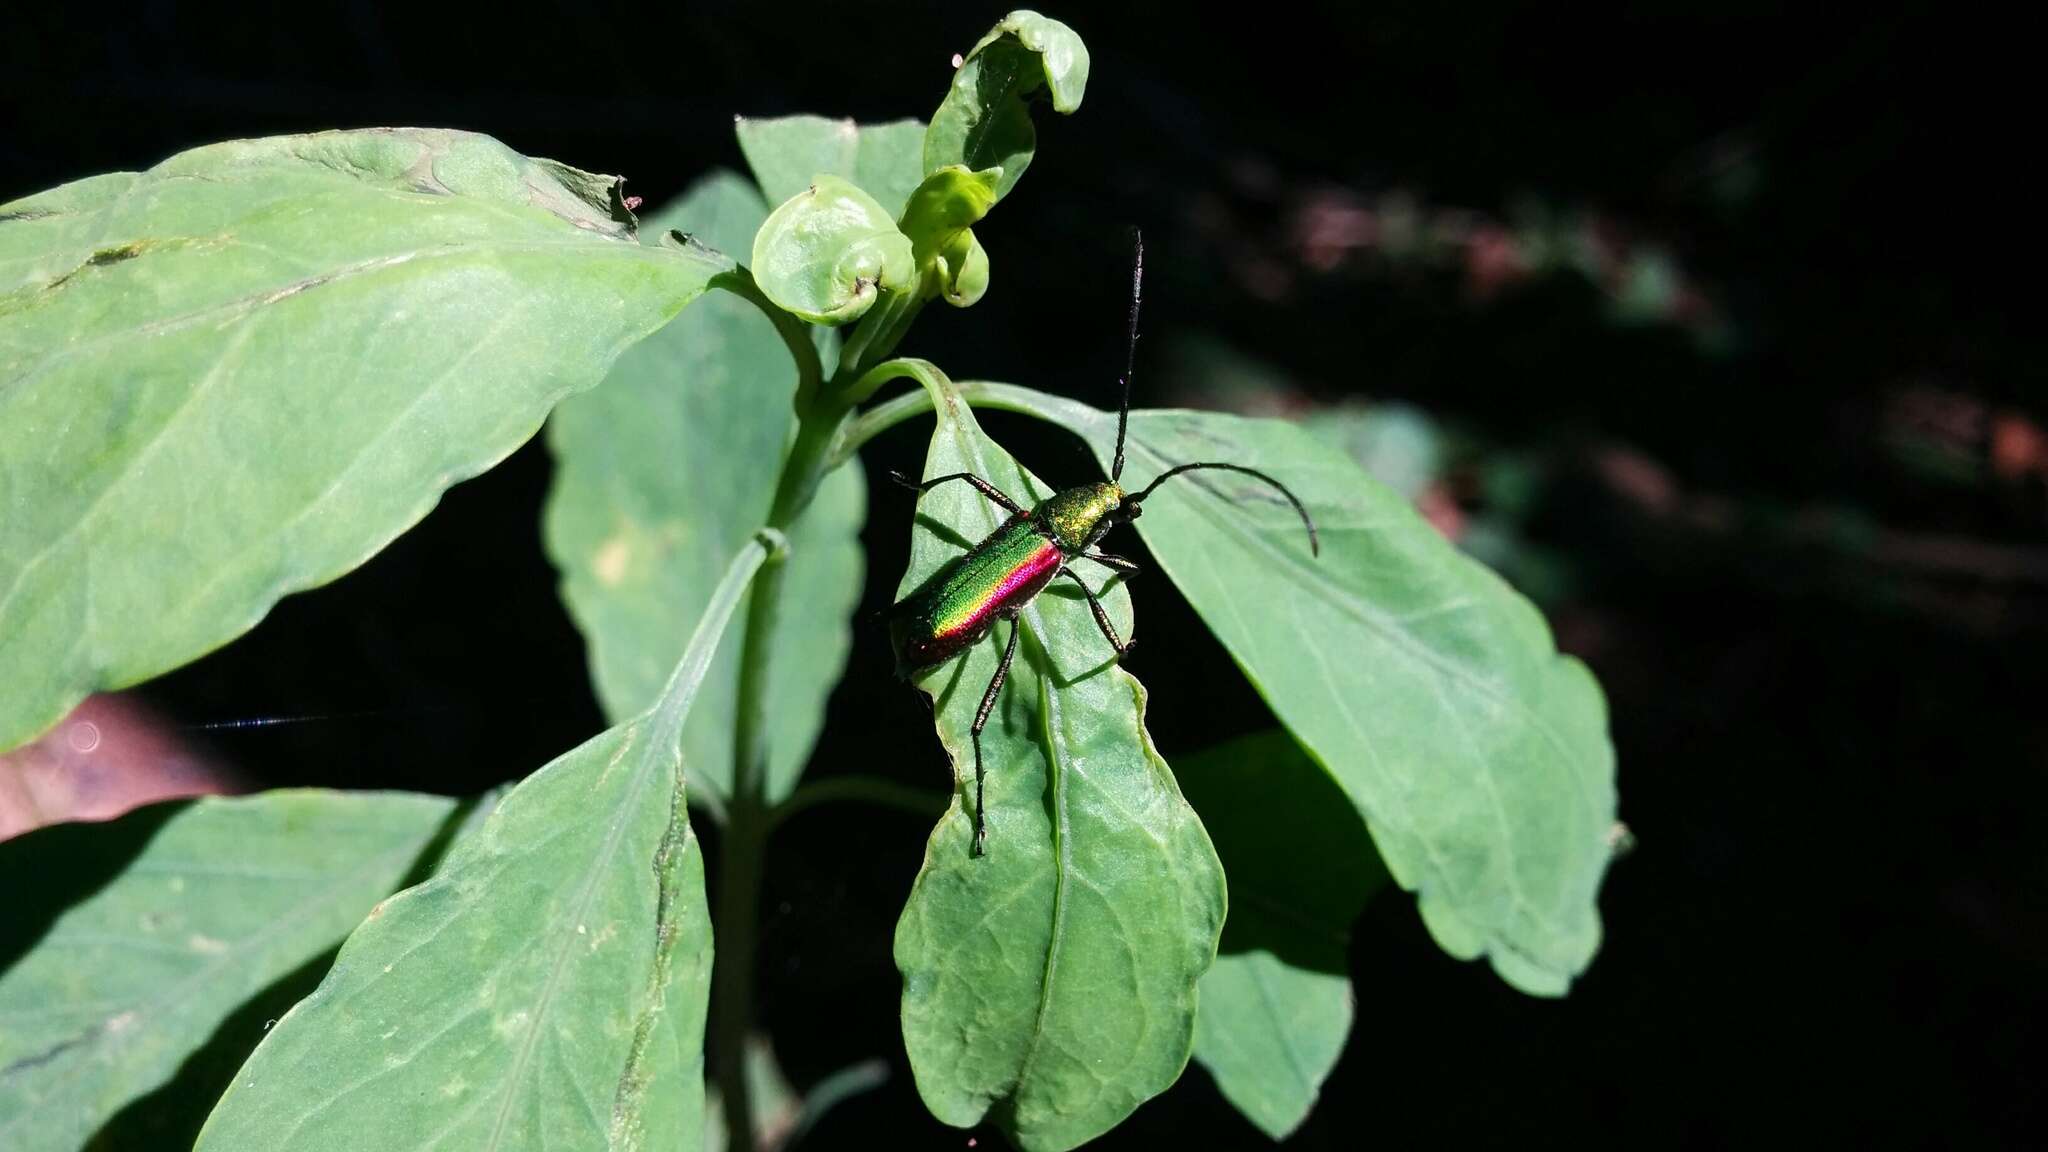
[[749, 817], [878, 333], [732, 977], [824, 411], [742, 856], [1070, 414], [796, 336]]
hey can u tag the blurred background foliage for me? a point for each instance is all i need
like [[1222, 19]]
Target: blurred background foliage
[[1707, 325]]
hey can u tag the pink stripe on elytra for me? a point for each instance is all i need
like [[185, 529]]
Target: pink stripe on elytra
[[1038, 569]]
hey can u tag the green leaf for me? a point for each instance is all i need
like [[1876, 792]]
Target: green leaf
[[950, 201], [966, 279], [663, 475], [785, 153], [938, 221], [545, 989], [828, 252], [1425, 685], [985, 120], [182, 911], [1276, 1008], [242, 372], [661, 1090], [1049, 985]]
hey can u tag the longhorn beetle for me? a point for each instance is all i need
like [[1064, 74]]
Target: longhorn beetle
[[996, 578]]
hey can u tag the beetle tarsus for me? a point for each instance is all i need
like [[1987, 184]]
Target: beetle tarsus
[[1114, 563]]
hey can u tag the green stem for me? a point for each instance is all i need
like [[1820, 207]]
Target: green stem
[[828, 1093], [749, 817], [761, 556], [825, 439], [742, 852], [742, 856], [1071, 414], [796, 335], [875, 337], [668, 715]]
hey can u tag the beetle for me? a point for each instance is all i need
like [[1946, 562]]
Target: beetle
[[996, 578]]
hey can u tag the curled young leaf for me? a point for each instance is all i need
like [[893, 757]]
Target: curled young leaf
[[828, 252], [965, 278], [939, 220], [985, 120], [948, 202]]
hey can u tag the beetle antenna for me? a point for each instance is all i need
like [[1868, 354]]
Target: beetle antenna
[[1315, 546], [1123, 413]]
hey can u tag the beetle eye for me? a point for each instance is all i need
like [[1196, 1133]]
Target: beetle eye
[[1133, 511]]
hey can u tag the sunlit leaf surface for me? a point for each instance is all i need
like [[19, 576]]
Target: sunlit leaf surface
[[1429, 689], [545, 989], [182, 912], [1048, 986], [242, 372]]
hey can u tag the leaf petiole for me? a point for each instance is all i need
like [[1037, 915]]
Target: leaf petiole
[[980, 394]]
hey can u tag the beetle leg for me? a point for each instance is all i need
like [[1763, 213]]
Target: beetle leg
[[1113, 562], [1101, 616], [987, 489], [988, 703]]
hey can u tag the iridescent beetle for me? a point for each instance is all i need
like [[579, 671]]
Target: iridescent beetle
[[996, 578]]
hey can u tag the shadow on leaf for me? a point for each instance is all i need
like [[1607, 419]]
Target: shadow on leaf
[[70, 862], [1299, 861]]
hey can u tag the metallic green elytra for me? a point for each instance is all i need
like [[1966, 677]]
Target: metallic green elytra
[[992, 581], [996, 578]]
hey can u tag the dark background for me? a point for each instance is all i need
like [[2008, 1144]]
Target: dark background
[[1792, 509]]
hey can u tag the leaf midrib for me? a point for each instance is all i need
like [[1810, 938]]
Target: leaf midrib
[[975, 139], [621, 816], [969, 448], [1296, 1060]]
